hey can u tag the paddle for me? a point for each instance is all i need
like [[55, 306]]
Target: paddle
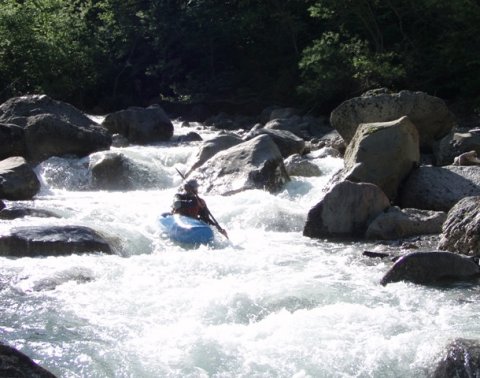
[[209, 213]]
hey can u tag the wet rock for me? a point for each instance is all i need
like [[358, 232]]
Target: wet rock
[[345, 211], [18, 181], [461, 230], [15, 213], [52, 241], [140, 125], [211, 147], [254, 164], [428, 113], [439, 188], [15, 364], [431, 267], [383, 154], [297, 165], [461, 359], [396, 223], [47, 135]]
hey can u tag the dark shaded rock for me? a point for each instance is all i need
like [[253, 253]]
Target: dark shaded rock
[[461, 360], [15, 213], [287, 142], [12, 141], [52, 241], [18, 181], [47, 135], [431, 267], [15, 364], [461, 230], [140, 125]]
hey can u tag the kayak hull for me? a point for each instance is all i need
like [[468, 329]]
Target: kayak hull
[[186, 230]]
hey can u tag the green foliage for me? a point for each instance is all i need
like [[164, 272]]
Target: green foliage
[[310, 52]]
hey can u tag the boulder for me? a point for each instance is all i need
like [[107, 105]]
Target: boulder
[[47, 135], [461, 230], [455, 144], [254, 164], [297, 165], [431, 268], [17, 110], [51, 241], [383, 154], [140, 125], [439, 188], [211, 147], [287, 142], [460, 359], [294, 125], [18, 181], [12, 141], [116, 172], [467, 158], [15, 364], [52, 128], [428, 113], [346, 211], [396, 223]]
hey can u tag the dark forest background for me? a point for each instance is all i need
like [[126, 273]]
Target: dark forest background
[[109, 54]]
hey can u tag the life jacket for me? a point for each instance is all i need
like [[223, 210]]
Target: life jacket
[[187, 205]]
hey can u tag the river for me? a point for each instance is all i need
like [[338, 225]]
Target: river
[[266, 303]]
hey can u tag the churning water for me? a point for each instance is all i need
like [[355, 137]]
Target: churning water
[[267, 303]]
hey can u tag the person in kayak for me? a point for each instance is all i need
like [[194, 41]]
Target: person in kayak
[[189, 204]]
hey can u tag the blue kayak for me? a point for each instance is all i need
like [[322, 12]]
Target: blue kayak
[[182, 229]]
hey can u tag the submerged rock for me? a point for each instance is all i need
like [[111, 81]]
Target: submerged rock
[[52, 241], [431, 267], [461, 359]]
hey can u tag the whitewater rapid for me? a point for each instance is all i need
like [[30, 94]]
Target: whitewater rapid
[[266, 303]]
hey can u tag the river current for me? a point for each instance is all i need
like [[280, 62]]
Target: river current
[[269, 302]]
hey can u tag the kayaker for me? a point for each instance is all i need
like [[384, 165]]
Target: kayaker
[[188, 203]]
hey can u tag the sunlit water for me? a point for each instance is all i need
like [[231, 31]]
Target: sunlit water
[[267, 303]]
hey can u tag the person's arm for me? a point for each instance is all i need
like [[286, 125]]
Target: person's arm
[[182, 202]]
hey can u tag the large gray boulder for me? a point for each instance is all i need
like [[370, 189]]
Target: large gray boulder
[[428, 113], [396, 223], [439, 188], [383, 154], [17, 110], [461, 359], [47, 135], [455, 144], [52, 241], [346, 211], [140, 125], [431, 268], [15, 364], [12, 141], [52, 128], [18, 181], [254, 164], [461, 230], [211, 147]]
